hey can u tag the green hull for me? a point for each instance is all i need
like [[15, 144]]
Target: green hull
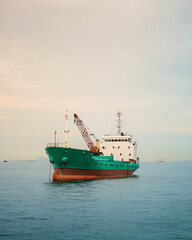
[[76, 164]]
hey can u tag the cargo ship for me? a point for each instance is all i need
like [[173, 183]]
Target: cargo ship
[[114, 157]]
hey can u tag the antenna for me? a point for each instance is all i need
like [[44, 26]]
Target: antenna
[[66, 129], [119, 114]]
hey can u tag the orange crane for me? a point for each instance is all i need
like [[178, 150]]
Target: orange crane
[[93, 148]]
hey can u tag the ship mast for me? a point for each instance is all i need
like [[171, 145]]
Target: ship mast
[[55, 138], [66, 129], [119, 123]]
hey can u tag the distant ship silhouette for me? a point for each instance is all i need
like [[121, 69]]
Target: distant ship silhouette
[[161, 159]]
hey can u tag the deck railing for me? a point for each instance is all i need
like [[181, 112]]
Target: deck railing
[[55, 145]]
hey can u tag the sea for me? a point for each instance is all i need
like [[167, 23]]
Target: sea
[[154, 204]]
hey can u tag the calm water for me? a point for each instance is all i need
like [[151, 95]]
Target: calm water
[[154, 204]]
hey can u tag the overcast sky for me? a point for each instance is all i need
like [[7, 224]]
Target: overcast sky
[[95, 58]]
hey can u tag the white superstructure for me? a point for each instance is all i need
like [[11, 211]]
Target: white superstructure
[[120, 146]]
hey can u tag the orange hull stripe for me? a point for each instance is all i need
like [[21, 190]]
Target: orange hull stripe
[[88, 174]]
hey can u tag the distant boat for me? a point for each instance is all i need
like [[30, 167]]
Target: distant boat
[[5, 160], [161, 159]]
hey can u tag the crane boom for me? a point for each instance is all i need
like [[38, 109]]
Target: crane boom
[[85, 135]]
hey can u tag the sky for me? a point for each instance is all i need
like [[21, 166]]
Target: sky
[[95, 58]]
